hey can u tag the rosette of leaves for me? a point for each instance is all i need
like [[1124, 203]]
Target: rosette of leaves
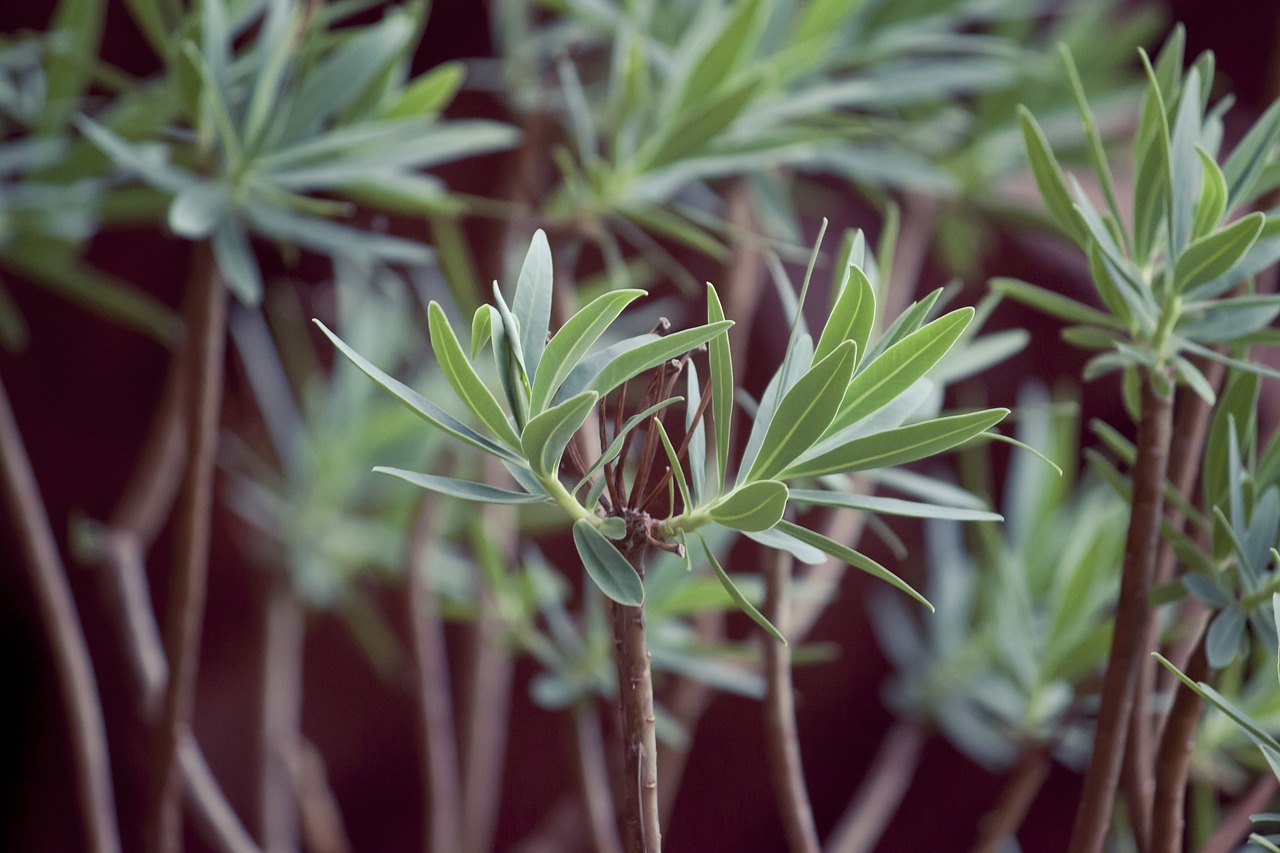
[[829, 409], [278, 122], [1176, 277], [1022, 613]]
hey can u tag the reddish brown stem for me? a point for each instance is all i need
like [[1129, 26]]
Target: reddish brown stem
[[878, 797], [1019, 793], [1237, 824], [781, 738], [280, 718], [72, 663], [1127, 645], [1173, 759], [207, 328]]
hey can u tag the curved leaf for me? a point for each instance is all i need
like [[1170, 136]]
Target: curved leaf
[[571, 343], [1048, 176], [1215, 254], [653, 353], [606, 565], [753, 507], [852, 316], [464, 489], [545, 436], [464, 379], [851, 557], [738, 598]]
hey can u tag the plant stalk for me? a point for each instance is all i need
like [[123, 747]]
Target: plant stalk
[[1173, 759], [1019, 793], [1150, 468], [881, 791], [207, 328], [641, 821]]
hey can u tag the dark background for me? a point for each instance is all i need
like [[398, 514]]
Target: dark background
[[83, 391]]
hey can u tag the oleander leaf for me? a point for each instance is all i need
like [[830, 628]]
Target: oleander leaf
[[463, 489], [547, 434], [571, 342], [606, 566], [851, 557], [462, 376], [738, 598], [751, 508]]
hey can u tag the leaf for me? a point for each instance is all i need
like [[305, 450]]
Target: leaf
[[615, 446], [807, 410], [606, 565], [463, 489], [196, 211], [1250, 155], [898, 367], [1215, 254], [852, 317], [720, 361], [1048, 176], [419, 404], [751, 508], [572, 341], [697, 438], [545, 436], [898, 446], [1222, 320], [462, 376], [738, 598], [1213, 196], [1054, 304], [429, 93], [1184, 166], [236, 261], [892, 506], [851, 557], [532, 302], [481, 328], [677, 472], [779, 541], [653, 353]]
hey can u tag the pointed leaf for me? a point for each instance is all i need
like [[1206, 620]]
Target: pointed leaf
[[1048, 176], [1215, 254], [481, 328], [466, 383], [738, 598], [1054, 304], [464, 489], [753, 507], [697, 441], [892, 506], [721, 364], [653, 353], [532, 303], [852, 317], [571, 343], [546, 435], [677, 472], [606, 565], [1213, 196], [847, 555]]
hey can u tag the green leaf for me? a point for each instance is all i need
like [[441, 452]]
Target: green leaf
[[1222, 640], [1184, 166], [509, 359], [462, 376], [807, 410], [546, 435], [615, 446], [677, 472], [697, 438], [847, 555], [1151, 166], [1048, 176], [429, 93], [463, 489], [197, 210], [419, 404], [715, 113], [74, 34], [1213, 196], [606, 566], [852, 316], [753, 507], [1250, 155], [720, 361], [653, 353], [738, 598], [1215, 254], [898, 367], [236, 261], [572, 341], [892, 506], [897, 446], [1054, 304], [481, 328], [532, 303]]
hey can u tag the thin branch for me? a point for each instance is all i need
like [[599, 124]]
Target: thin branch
[[207, 328], [1236, 825], [1124, 660], [1019, 793], [781, 739], [1173, 759], [71, 660], [878, 797], [744, 279], [280, 718], [212, 814], [322, 827], [594, 776], [441, 785]]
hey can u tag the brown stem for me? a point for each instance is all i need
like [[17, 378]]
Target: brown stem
[[207, 328], [881, 791], [781, 739], [919, 214], [322, 827], [71, 660], [1127, 645], [1236, 825], [1173, 760], [1019, 793], [744, 279], [594, 773], [441, 787], [212, 814], [280, 718], [641, 815]]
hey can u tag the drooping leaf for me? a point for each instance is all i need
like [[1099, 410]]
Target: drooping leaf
[[462, 376], [606, 566], [738, 598], [572, 341], [753, 507], [847, 555], [547, 434], [463, 489]]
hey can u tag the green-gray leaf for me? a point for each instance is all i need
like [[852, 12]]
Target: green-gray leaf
[[571, 343], [464, 379], [1048, 176], [606, 565], [532, 302], [653, 353], [738, 598], [464, 489], [1215, 254], [753, 507], [546, 435], [852, 316], [892, 506], [721, 363], [851, 557], [1054, 304]]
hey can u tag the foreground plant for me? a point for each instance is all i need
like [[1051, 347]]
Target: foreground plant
[[836, 406]]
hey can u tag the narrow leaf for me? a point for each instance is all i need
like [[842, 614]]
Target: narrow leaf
[[653, 353], [606, 565], [463, 489], [721, 364], [847, 555], [1215, 254], [1213, 196], [546, 435], [753, 507], [1054, 304], [462, 376], [571, 343], [738, 598], [532, 302], [892, 506], [1048, 177]]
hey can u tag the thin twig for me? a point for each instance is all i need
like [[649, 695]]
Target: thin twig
[[878, 796], [1019, 792], [71, 660], [280, 718], [207, 328], [1149, 472], [1173, 759], [441, 785], [781, 739], [212, 814], [322, 827], [1236, 825], [594, 773]]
